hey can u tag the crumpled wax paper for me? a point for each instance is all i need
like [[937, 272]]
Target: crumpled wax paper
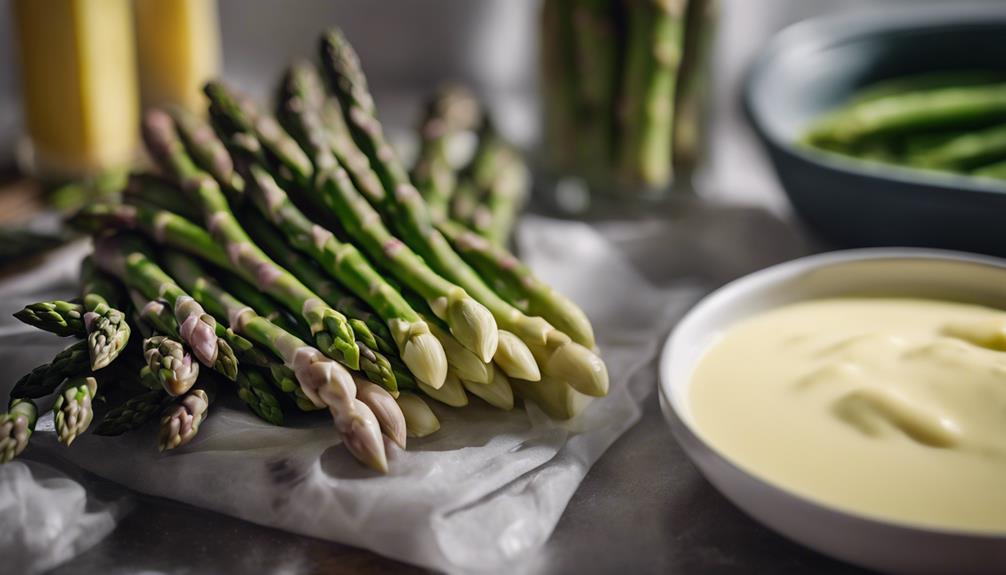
[[490, 486], [46, 517]]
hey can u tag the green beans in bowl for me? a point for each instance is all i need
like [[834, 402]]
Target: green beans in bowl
[[890, 128]]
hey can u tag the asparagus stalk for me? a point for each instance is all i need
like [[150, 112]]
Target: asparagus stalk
[[595, 48], [303, 90], [465, 201], [128, 259], [420, 420], [170, 364], [264, 305], [405, 207], [420, 351], [323, 381], [234, 114], [330, 329], [180, 422], [208, 152], [107, 328], [132, 413], [452, 110], [255, 390], [62, 318], [157, 314], [468, 320], [44, 379], [169, 229], [515, 280], [345, 263], [558, 78], [496, 216], [653, 57], [16, 427], [488, 162], [368, 327], [72, 409]]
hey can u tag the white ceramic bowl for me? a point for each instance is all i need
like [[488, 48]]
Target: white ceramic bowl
[[868, 542]]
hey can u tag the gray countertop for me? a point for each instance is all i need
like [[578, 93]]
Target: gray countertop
[[644, 508]]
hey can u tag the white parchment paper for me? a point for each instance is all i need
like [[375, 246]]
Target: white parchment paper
[[490, 486]]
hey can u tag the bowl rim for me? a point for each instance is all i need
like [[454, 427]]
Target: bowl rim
[[835, 29], [773, 274]]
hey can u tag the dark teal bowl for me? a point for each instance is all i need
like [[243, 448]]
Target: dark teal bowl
[[817, 65]]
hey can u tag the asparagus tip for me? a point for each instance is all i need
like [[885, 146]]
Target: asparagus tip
[[420, 420], [388, 414], [363, 438], [425, 358], [516, 359], [473, 326]]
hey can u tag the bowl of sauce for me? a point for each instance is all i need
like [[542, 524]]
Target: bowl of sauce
[[855, 402]]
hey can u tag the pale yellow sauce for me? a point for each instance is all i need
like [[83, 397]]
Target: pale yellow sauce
[[891, 408]]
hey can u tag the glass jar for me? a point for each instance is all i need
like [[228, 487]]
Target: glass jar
[[623, 83]]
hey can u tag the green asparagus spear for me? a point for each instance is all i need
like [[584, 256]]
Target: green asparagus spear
[[325, 382], [303, 90], [180, 421], [127, 258], [372, 361], [16, 427], [132, 413], [563, 359], [330, 329], [595, 50], [495, 218], [44, 379], [62, 318], [404, 207], [72, 409], [158, 315], [452, 109], [653, 55], [255, 390], [515, 281], [559, 79], [208, 151], [170, 364], [264, 305], [235, 114], [107, 328], [418, 349]]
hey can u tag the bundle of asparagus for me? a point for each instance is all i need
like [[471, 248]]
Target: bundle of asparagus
[[948, 122], [291, 259], [620, 83]]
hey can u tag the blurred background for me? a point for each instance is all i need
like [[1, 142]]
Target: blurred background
[[502, 50], [410, 47]]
